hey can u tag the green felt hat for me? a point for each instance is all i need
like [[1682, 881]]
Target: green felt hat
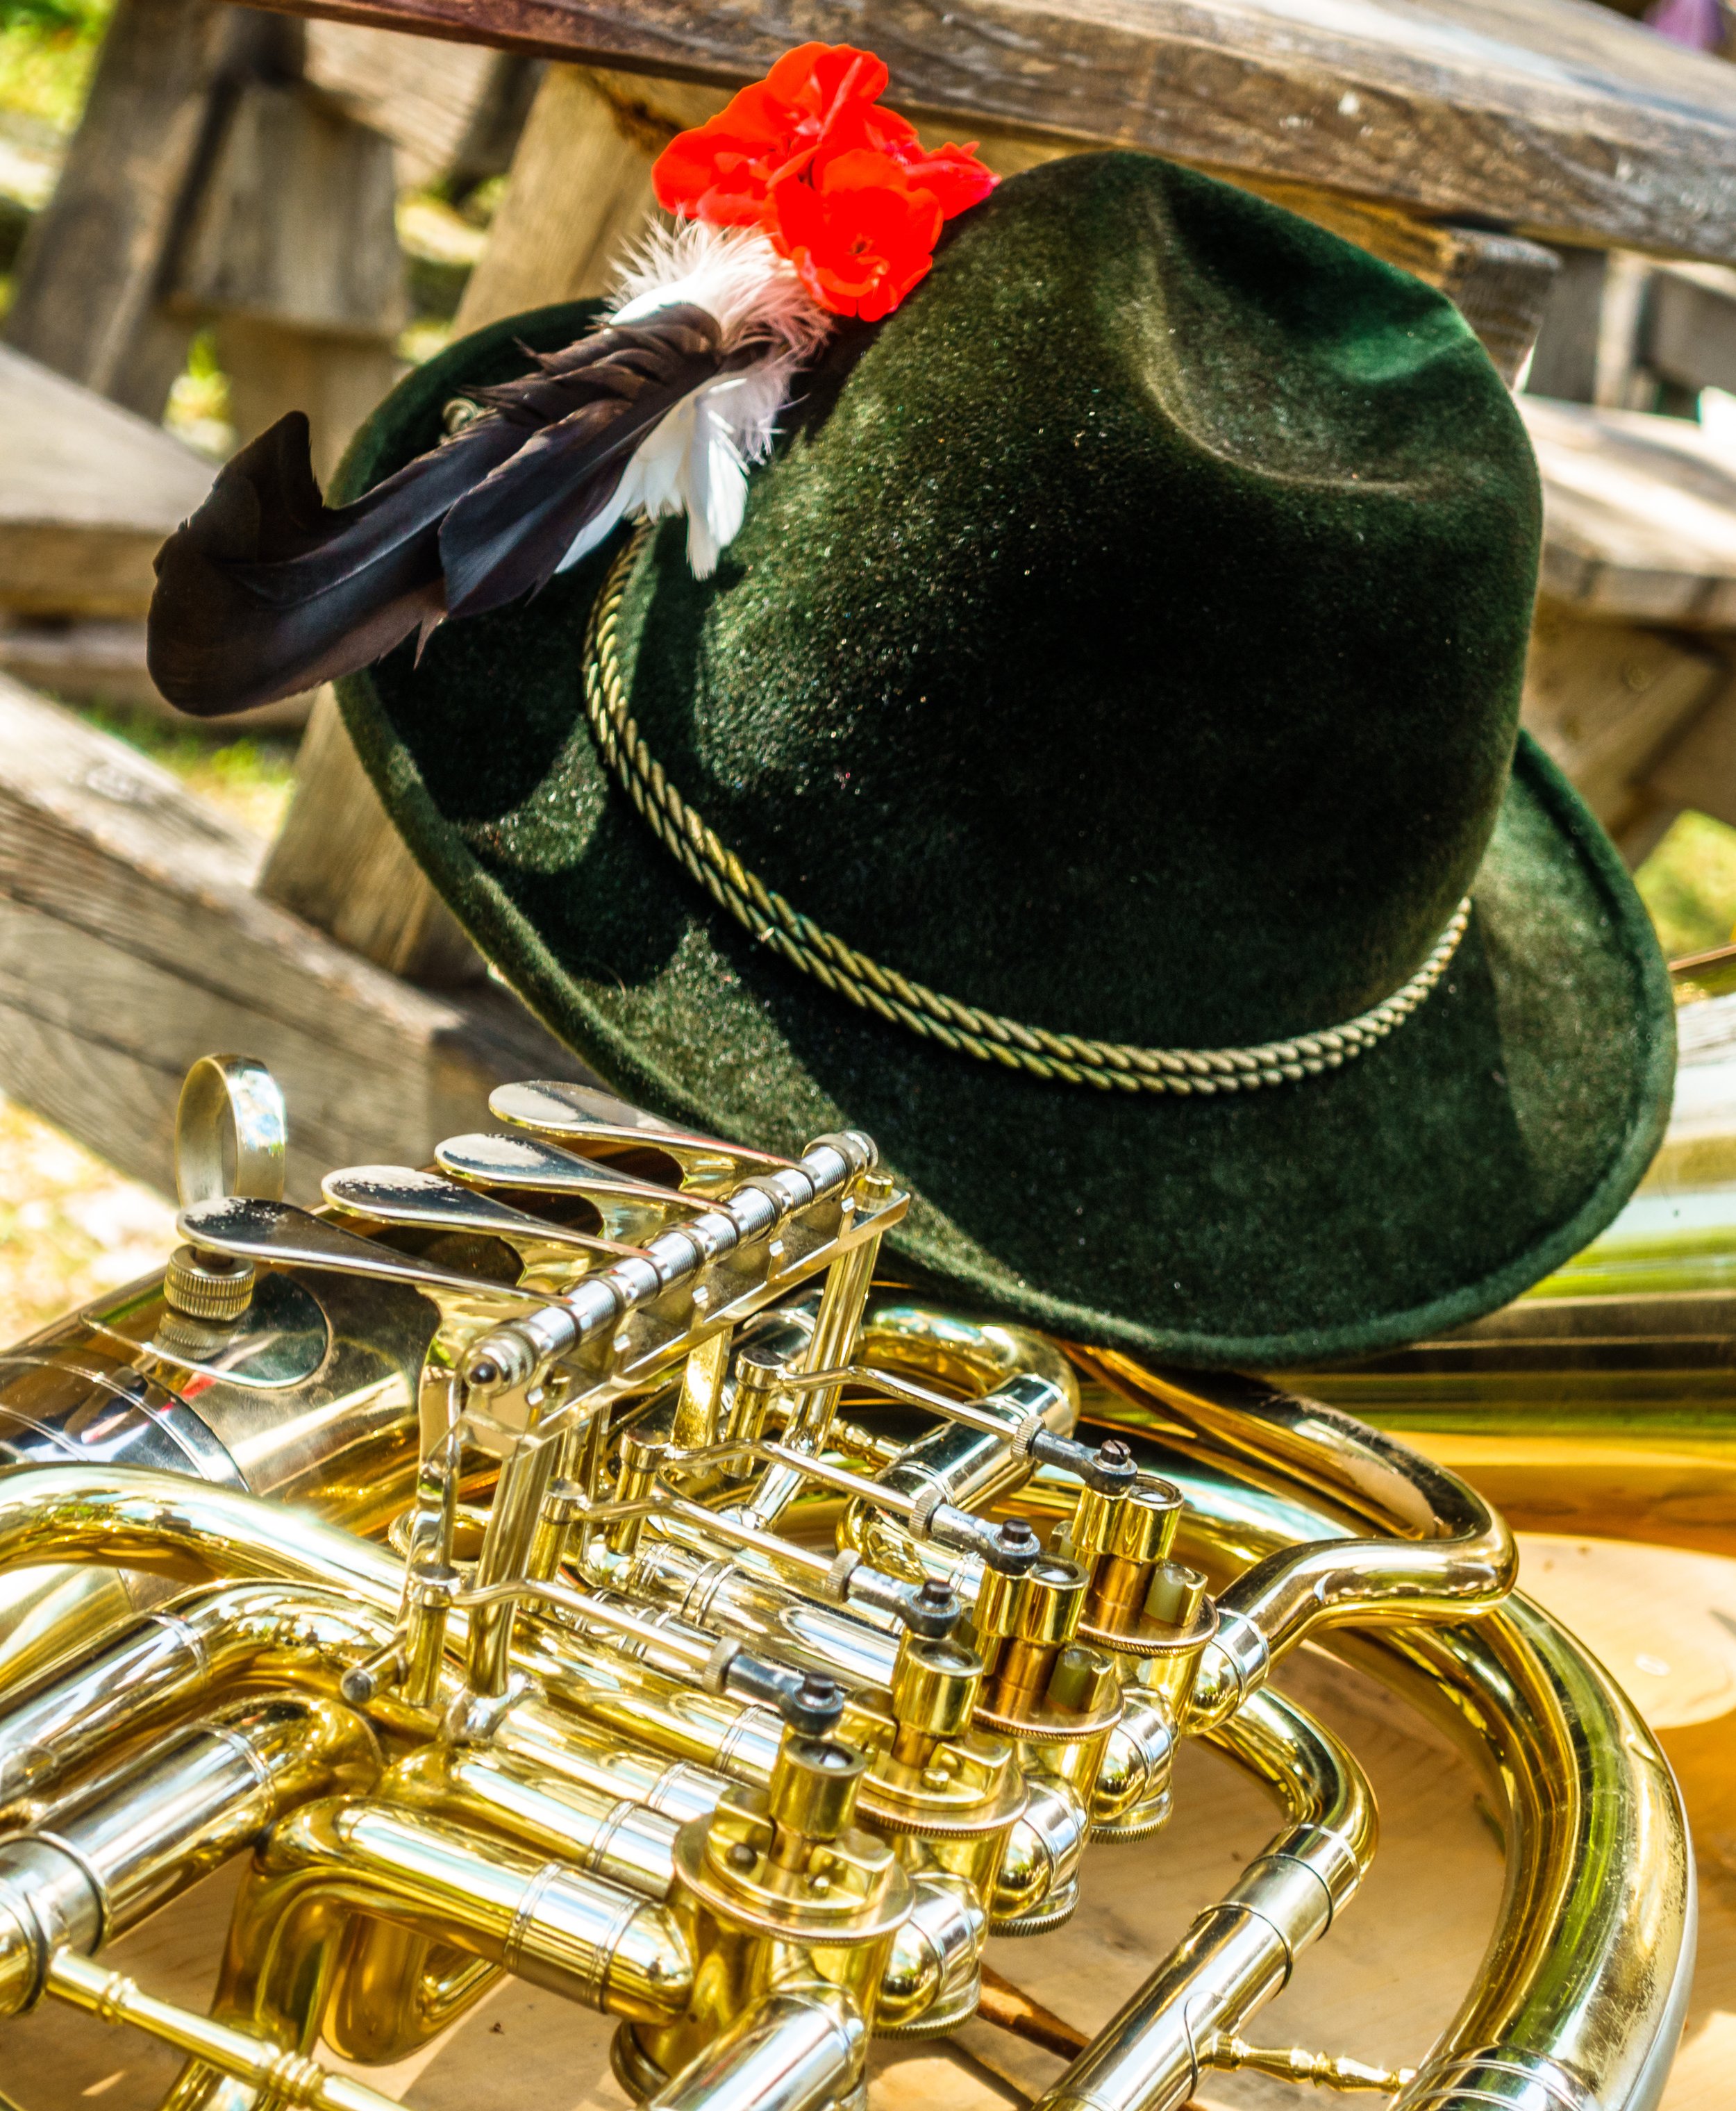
[[1125, 642]]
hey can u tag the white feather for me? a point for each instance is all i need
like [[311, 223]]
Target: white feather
[[733, 272], [696, 459]]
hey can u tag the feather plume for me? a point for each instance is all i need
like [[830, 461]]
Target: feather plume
[[266, 591], [696, 461]]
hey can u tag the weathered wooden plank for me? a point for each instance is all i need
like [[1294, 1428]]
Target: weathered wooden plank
[[446, 107], [1565, 365], [1639, 514], [580, 190], [1689, 331], [87, 492], [1607, 700], [291, 169], [88, 300], [1550, 117], [338, 864], [275, 367], [131, 941], [98, 661], [1699, 770]]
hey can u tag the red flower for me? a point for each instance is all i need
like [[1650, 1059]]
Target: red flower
[[862, 236], [722, 172], [772, 158]]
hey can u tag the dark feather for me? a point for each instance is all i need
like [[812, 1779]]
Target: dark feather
[[266, 591], [506, 536]]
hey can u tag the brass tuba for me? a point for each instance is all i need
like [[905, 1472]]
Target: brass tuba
[[580, 1561]]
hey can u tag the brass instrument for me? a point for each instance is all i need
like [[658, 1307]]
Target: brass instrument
[[576, 1561]]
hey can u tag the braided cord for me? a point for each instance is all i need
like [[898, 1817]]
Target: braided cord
[[968, 1029]]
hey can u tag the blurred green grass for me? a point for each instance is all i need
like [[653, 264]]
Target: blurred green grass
[[250, 775], [48, 49], [1688, 885]]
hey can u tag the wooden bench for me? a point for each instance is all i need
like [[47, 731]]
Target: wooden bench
[[1462, 148]]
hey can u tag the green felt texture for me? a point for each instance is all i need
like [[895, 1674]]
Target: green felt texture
[[1128, 636]]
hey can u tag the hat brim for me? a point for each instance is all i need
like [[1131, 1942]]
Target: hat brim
[[1427, 1182]]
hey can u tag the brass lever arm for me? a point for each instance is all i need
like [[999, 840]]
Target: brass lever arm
[[280, 2076]]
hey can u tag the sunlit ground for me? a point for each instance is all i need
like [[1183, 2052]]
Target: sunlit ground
[[69, 1226]]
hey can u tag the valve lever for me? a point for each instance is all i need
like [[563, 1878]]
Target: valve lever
[[281, 1233], [402, 1195], [533, 1162], [564, 1109]]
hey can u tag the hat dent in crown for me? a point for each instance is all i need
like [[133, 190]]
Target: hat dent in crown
[[1126, 637]]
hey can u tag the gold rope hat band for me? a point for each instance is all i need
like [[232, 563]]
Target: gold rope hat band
[[991, 1038]]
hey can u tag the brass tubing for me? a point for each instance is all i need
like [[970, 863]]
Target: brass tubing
[[1239, 1954], [792, 2051], [573, 1934], [1587, 1975], [780, 1622], [1450, 1556], [837, 1329], [232, 1642], [1588, 1967], [242, 1638], [190, 1530], [506, 1549], [140, 1836], [284, 2078], [489, 1790]]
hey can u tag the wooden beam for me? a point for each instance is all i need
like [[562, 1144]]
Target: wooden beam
[[88, 492], [1566, 363], [449, 109], [339, 864], [91, 277], [1688, 332], [1546, 118], [1639, 515], [1699, 770], [1607, 700], [131, 941], [579, 191], [93, 660], [291, 169]]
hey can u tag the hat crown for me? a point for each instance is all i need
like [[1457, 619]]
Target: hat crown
[[1130, 639]]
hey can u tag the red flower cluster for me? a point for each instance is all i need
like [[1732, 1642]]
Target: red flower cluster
[[843, 189]]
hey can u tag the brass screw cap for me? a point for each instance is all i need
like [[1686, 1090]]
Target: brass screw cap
[[1145, 1529], [213, 1286], [935, 1686], [1050, 1601], [814, 1786], [996, 1602]]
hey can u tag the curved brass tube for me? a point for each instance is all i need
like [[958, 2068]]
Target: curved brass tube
[[576, 1935], [141, 1836], [793, 2051], [1454, 1555], [383, 1893], [165, 1524], [1586, 1979], [1237, 1954], [137, 1517], [247, 1638], [1587, 1974]]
